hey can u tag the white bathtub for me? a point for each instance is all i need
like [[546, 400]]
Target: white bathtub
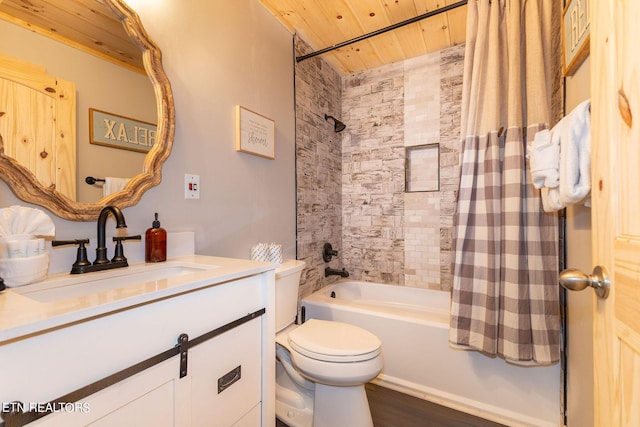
[[413, 326]]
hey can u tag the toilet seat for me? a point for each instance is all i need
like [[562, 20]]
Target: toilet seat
[[330, 341]]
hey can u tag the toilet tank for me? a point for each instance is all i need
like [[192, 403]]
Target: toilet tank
[[287, 282]]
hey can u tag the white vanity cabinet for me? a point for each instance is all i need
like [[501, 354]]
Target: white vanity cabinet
[[154, 397], [226, 389], [237, 359]]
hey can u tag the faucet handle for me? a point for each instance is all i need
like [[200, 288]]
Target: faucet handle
[[328, 252], [81, 256], [70, 242], [119, 250]]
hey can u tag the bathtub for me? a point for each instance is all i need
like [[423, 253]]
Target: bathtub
[[413, 327]]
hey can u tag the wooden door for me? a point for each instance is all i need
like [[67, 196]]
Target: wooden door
[[615, 115], [38, 123]]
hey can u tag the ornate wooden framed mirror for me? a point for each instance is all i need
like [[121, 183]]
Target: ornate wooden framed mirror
[[93, 13]]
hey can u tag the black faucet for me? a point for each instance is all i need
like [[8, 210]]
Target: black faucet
[[101, 250], [334, 272], [82, 265]]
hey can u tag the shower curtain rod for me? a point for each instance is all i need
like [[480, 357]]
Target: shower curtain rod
[[382, 30]]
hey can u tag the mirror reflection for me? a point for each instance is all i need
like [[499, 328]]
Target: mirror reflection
[[114, 107]]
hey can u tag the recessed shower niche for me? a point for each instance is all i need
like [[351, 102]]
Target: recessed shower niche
[[422, 168]]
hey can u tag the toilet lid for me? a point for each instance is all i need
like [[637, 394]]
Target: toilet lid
[[334, 341]]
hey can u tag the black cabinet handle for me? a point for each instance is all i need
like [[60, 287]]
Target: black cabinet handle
[[229, 378]]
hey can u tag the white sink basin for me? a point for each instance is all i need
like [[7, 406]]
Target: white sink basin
[[78, 285]]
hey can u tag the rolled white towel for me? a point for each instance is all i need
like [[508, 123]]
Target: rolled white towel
[[22, 220], [551, 199], [575, 157], [544, 160]]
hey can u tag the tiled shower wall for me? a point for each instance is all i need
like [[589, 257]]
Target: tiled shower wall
[[351, 186], [373, 174], [318, 166], [389, 235]]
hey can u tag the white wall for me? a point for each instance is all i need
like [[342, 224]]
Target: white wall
[[218, 54], [579, 304]]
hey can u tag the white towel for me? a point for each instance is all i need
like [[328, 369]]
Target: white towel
[[551, 199], [113, 185], [575, 157], [21, 220], [544, 160], [573, 135]]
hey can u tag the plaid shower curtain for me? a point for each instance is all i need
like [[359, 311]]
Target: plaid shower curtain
[[505, 296]]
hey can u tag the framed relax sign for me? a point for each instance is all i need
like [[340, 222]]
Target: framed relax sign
[[575, 35], [113, 130]]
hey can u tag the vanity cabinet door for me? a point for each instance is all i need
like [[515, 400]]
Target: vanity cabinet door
[[155, 397], [226, 377]]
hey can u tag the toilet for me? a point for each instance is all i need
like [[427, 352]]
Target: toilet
[[321, 365]]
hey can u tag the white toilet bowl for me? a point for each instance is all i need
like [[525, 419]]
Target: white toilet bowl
[[322, 366], [335, 353], [338, 359], [294, 393]]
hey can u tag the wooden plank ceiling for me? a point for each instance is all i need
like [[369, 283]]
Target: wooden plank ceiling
[[89, 25], [329, 22], [85, 24]]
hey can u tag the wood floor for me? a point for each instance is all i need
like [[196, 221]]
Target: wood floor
[[392, 409]]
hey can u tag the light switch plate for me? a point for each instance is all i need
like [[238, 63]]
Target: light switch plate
[[191, 186]]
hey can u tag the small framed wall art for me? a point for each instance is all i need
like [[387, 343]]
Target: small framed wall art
[[255, 133]]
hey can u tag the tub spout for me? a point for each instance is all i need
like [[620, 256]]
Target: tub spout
[[335, 272]]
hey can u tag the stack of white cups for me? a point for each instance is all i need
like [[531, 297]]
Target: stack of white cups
[[270, 252]]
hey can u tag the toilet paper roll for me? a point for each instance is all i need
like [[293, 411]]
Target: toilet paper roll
[[260, 252], [275, 253]]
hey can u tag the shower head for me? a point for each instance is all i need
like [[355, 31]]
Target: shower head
[[338, 126]]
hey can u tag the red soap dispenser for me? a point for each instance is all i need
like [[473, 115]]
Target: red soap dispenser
[[155, 243]]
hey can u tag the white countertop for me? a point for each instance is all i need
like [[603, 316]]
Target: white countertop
[[21, 316]]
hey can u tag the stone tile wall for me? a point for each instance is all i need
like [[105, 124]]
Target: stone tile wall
[[451, 69], [351, 185], [390, 236], [422, 209], [373, 174], [318, 166]]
